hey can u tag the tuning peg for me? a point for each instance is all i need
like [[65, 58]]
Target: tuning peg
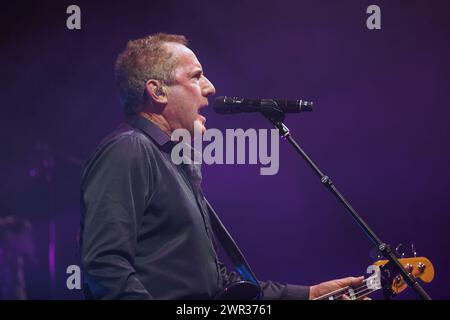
[[421, 267], [413, 249], [397, 251], [409, 267]]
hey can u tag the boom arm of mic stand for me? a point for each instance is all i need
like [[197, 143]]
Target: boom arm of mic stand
[[276, 116]]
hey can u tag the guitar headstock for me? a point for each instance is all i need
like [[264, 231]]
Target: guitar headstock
[[420, 267]]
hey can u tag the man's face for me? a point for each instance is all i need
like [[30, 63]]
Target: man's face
[[189, 92]]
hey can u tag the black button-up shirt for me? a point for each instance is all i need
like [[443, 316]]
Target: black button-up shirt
[[145, 230]]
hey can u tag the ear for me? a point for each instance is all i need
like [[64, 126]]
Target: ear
[[155, 91]]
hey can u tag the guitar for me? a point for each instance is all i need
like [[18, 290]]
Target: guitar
[[383, 277], [240, 290]]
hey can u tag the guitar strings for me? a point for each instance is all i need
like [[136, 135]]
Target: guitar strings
[[332, 293], [369, 291], [338, 291], [359, 292]]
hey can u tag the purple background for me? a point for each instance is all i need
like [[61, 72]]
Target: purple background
[[380, 127]]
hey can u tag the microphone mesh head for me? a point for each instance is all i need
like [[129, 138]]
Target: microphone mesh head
[[306, 106]]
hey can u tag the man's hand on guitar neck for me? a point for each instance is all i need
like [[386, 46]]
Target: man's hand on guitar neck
[[324, 288]]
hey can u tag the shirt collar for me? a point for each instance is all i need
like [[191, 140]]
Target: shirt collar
[[149, 128], [161, 138]]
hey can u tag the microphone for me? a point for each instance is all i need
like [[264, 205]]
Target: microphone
[[227, 105]]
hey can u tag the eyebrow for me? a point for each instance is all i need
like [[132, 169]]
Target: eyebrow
[[196, 71]]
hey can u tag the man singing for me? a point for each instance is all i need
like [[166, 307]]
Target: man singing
[[145, 229]]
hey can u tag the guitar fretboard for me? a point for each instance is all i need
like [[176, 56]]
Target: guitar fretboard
[[353, 293]]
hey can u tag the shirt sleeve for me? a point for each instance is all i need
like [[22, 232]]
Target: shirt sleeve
[[272, 290], [115, 190]]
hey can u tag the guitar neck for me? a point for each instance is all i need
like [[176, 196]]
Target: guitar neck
[[353, 293], [419, 267]]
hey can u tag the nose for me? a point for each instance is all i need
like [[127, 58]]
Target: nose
[[208, 88]]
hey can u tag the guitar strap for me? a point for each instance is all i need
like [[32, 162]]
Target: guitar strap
[[230, 247]]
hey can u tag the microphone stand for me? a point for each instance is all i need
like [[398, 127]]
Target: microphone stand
[[274, 114]]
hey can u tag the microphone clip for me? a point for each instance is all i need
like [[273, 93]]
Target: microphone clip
[[271, 110]]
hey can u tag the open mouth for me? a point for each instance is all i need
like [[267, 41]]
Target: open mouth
[[201, 117]]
